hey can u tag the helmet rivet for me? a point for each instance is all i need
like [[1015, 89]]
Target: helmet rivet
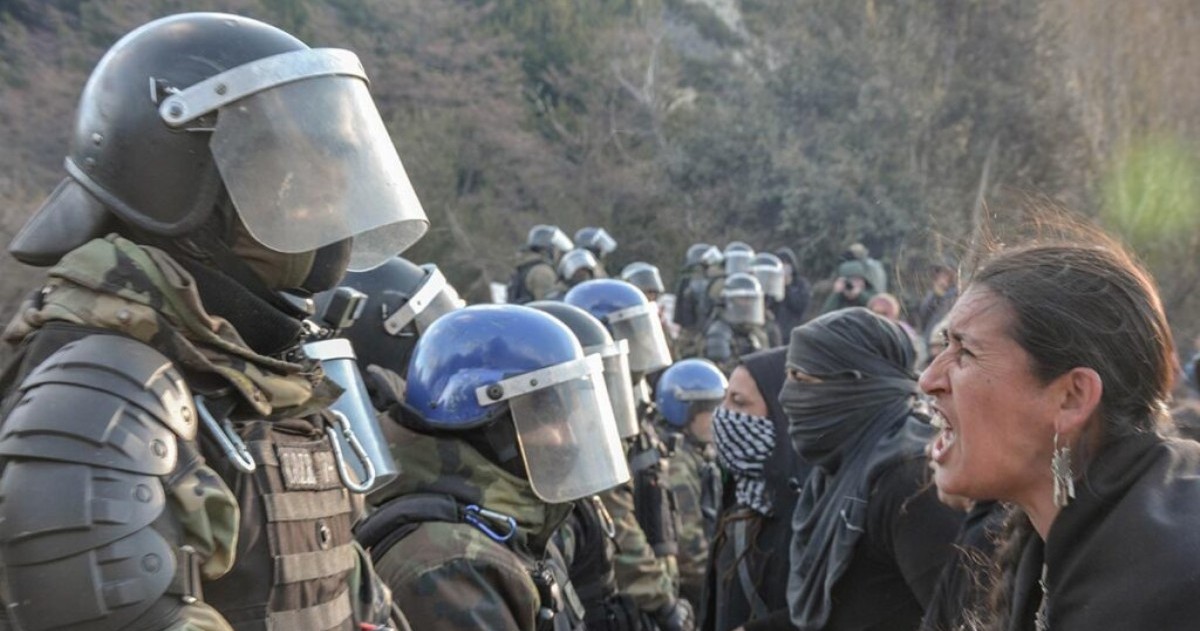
[[495, 391], [222, 88], [533, 382], [175, 111], [97, 138]]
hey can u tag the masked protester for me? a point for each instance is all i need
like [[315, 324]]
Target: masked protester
[[506, 422], [644, 512], [160, 393], [686, 395], [536, 275], [870, 537], [748, 571], [588, 537]]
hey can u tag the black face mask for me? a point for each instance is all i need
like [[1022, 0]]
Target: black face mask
[[328, 267]]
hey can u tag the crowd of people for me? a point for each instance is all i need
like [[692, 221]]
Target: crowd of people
[[234, 405]]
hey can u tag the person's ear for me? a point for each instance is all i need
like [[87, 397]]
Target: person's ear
[[1079, 391]]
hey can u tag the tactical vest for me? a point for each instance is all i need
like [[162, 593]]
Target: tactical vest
[[295, 547], [653, 500], [559, 606]]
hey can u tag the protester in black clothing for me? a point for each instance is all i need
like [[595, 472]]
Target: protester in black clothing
[[962, 587], [789, 313], [748, 563], [870, 537], [1053, 394]]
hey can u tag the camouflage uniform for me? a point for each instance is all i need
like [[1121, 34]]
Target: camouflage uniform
[[452, 575], [113, 288], [692, 475], [647, 575], [725, 344]]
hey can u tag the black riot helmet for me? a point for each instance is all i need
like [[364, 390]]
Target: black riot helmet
[[768, 269], [596, 240], [645, 277], [702, 255], [595, 339], [742, 296], [191, 111], [549, 240], [403, 300]]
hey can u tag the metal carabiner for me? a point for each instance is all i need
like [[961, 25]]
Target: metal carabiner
[[480, 517], [359, 452], [606, 520], [231, 444]]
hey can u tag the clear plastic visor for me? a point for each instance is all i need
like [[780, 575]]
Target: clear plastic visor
[[620, 388], [639, 326], [306, 157], [737, 261], [566, 431], [603, 242], [772, 281], [744, 308]]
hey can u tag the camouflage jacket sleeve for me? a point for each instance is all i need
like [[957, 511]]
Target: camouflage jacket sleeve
[[643, 577], [684, 476], [451, 577]]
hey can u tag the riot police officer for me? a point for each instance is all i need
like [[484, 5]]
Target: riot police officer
[[505, 422], [588, 538], [769, 271], [644, 512], [702, 266], [686, 395], [599, 243], [160, 393], [536, 275], [737, 327], [575, 267]]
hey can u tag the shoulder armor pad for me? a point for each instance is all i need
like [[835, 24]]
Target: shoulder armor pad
[[104, 400], [88, 559]]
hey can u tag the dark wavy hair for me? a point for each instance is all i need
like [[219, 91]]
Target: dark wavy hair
[[1080, 300]]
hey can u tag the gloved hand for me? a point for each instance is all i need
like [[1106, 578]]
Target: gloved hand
[[676, 616]]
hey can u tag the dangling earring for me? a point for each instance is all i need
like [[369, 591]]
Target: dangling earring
[[1064, 479]]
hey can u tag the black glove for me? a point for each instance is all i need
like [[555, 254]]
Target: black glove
[[676, 616]]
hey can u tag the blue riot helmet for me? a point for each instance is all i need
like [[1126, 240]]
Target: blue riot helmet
[[687, 388], [597, 240], [483, 365], [595, 339], [629, 316]]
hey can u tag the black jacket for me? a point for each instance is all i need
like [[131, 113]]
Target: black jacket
[[1124, 555]]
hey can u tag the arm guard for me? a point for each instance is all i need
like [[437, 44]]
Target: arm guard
[[94, 428]]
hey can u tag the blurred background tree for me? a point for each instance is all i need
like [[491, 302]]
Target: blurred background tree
[[806, 123]]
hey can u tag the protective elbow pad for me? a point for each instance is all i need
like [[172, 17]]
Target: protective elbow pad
[[82, 545]]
